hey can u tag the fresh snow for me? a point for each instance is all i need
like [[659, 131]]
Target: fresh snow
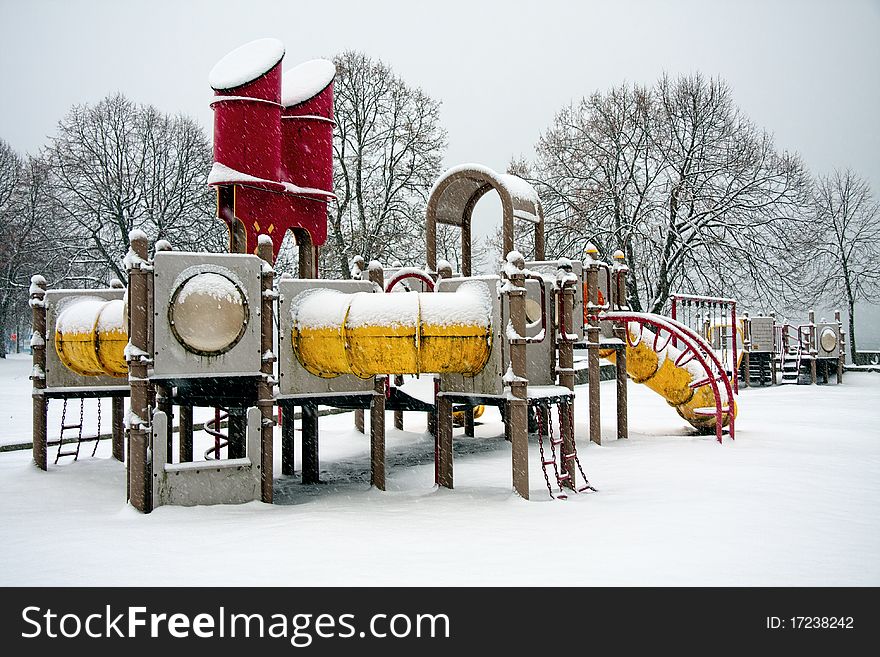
[[246, 63], [221, 174], [211, 285], [793, 501], [305, 81]]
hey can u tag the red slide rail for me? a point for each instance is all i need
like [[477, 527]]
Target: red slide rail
[[693, 346]]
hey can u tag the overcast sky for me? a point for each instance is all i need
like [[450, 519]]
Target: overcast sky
[[808, 71]]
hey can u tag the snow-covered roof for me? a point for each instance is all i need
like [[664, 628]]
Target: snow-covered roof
[[246, 63], [305, 81]]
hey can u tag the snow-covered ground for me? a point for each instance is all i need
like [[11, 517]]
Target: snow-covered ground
[[795, 500]]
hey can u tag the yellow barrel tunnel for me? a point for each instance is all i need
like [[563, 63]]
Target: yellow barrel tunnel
[[90, 336], [366, 334], [670, 381]]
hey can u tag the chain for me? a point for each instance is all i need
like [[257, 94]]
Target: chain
[[539, 416], [543, 458], [587, 485], [553, 451], [98, 433]]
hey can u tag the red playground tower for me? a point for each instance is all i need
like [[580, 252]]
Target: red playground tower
[[273, 147]]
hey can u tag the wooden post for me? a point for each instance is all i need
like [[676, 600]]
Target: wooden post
[[566, 372], [310, 461], [185, 438], [620, 332], [593, 338], [377, 434], [265, 396], [375, 274], [288, 439], [518, 405], [117, 431], [398, 415], [139, 302], [813, 350], [443, 428], [359, 420], [747, 346], [841, 355], [38, 373]]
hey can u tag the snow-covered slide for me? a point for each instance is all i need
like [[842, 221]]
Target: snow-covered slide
[[681, 366]]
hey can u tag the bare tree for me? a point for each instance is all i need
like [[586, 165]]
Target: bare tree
[[117, 166], [388, 146], [30, 239], [695, 195], [841, 254]]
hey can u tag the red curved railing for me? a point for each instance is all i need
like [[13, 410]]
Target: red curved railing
[[409, 273], [695, 346]]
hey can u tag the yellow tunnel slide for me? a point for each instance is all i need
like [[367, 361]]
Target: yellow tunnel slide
[[366, 334], [659, 372], [90, 336]]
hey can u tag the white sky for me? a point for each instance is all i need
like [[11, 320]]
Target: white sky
[[807, 70]]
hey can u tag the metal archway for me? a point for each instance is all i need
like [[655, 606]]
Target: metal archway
[[452, 202]]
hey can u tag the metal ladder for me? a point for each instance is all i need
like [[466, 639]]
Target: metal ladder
[[563, 478], [80, 439]]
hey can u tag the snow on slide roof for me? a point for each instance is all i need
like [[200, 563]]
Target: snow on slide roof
[[246, 63], [515, 185], [305, 81]]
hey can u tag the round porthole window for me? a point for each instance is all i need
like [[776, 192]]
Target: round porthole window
[[208, 313], [828, 339], [533, 312]]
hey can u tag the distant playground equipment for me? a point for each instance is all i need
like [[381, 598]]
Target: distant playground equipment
[[219, 331]]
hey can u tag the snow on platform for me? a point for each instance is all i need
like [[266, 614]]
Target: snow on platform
[[795, 500]]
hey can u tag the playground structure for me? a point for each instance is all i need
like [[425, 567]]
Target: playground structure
[[785, 353], [218, 330]]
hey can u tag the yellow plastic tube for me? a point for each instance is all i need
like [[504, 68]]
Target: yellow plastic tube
[[663, 376], [367, 334], [90, 336]]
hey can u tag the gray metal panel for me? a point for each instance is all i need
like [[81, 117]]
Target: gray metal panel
[[549, 268], [171, 358], [58, 376], [540, 356], [229, 481], [820, 352], [293, 378], [487, 382], [761, 331]]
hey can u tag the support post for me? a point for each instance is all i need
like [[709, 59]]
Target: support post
[[117, 428], [565, 347], [265, 397], [593, 338], [620, 332], [841, 354], [38, 373], [310, 463], [377, 434], [288, 439], [185, 438], [813, 350], [398, 415], [747, 346], [518, 405], [139, 303], [443, 419]]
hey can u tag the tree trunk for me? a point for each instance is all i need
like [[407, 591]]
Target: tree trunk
[[852, 332]]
